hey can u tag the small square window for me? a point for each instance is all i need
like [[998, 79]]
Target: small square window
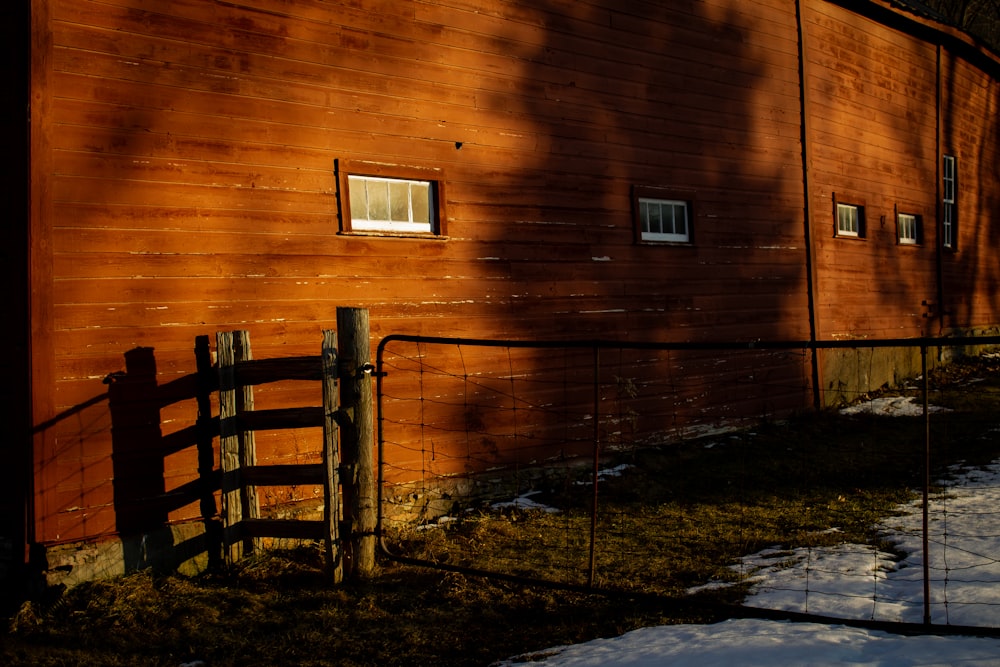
[[661, 217], [664, 220], [398, 202], [849, 219], [908, 229]]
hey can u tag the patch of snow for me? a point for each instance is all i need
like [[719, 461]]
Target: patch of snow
[[892, 406], [524, 502], [755, 643], [848, 581]]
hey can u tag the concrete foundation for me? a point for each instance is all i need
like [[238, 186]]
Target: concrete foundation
[[849, 374], [185, 548]]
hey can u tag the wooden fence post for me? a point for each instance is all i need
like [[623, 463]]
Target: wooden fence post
[[357, 440], [237, 446], [205, 429], [331, 459]]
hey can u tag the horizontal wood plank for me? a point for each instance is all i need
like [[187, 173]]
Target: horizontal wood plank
[[283, 528], [281, 418], [187, 187], [284, 474], [260, 371]]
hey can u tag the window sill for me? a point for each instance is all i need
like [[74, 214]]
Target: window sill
[[397, 235], [675, 244]]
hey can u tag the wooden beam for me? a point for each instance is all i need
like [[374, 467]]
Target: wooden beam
[[237, 447], [357, 440], [331, 458]]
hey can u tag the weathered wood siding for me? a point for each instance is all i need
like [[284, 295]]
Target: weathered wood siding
[[183, 163], [883, 105], [872, 122], [970, 131], [182, 183]]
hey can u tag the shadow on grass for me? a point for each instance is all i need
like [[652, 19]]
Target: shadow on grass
[[676, 518], [278, 609]]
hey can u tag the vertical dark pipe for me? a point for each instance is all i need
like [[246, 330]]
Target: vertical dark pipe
[[927, 484], [806, 209], [938, 247], [597, 456]]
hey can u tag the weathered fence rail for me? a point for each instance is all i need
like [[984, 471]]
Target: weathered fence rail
[[344, 470], [243, 525]]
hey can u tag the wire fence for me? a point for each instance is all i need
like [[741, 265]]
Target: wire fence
[[703, 472]]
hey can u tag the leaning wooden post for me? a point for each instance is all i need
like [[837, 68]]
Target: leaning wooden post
[[357, 440], [208, 383], [331, 459], [237, 446]]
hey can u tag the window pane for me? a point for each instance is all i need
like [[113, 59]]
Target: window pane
[[399, 201], [655, 218], [663, 220], [391, 204], [948, 177], [667, 215], [378, 200], [421, 202], [907, 228], [680, 219], [359, 198], [847, 219], [946, 225]]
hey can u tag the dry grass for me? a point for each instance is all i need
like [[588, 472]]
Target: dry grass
[[695, 508], [680, 515], [278, 610]]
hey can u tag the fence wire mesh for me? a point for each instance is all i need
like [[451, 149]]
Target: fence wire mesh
[[707, 471]]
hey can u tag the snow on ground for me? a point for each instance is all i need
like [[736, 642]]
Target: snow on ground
[[892, 406], [856, 581], [847, 581], [525, 502], [752, 643]]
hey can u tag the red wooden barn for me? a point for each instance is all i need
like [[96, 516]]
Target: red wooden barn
[[712, 170]]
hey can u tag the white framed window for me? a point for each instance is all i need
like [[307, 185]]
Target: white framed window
[[908, 228], [388, 199], [664, 220], [850, 219], [381, 204], [949, 193], [662, 216]]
